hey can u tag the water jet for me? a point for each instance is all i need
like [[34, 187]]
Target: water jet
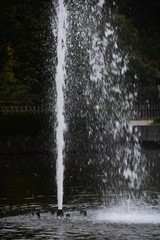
[[60, 77]]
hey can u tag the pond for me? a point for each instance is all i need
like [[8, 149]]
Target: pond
[[28, 207], [37, 220]]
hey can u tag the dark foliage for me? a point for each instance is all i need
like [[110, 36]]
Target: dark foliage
[[144, 16], [25, 50]]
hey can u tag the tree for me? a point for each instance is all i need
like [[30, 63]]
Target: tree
[[144, 16], [26, 50]]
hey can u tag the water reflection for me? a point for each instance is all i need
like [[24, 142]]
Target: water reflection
[[25, 176]]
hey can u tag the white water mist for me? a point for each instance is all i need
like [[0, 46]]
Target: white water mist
[[60, 84], [98, 93]]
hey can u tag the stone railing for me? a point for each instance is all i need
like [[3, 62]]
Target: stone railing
[[25, 109], [146, 112]]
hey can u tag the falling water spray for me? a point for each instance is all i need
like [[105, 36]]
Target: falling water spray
[[96, 68], [60, 84]]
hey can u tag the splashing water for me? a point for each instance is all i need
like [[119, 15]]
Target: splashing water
[[133, 216], [109, 63], [97, 98], [60, 76]]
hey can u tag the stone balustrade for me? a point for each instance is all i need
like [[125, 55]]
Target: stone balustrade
[[25, 109], [145, 112]]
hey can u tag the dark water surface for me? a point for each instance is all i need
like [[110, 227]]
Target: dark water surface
[[98, 224], [28, 206]]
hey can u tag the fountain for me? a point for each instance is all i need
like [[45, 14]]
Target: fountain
[[93, 65], [60, 76], [104, 168]]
